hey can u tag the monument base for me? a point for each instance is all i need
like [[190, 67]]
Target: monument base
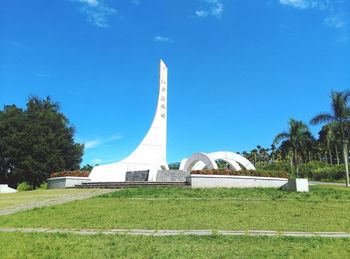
[[117, 172], [172, 176], [4, 188], [297, 185]]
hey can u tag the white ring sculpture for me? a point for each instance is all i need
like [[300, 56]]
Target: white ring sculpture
[[220, 156], [226, 155], [205, 158], [200, 160]]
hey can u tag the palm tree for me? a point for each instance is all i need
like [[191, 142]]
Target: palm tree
[[284, 152], [295, 138], [309, 147], [335, 132], [340, 117], [273, 154], [254, 153], [327, 138]]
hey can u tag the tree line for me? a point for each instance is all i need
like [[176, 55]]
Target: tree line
[[299, 146]]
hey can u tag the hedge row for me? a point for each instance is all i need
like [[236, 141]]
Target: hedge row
[[76, 173], [323, 172], [313, 170], [262, 173]]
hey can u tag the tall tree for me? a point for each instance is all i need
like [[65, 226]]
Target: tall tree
[[296, 138], [12, 148], [339, 116], [36, 142], [327, 138]]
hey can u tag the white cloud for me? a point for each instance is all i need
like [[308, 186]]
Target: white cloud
[[217, 10], [302, 4], [92, 143], [336, 21], [201, 13], [162, 39], [89, 144], [96, 11], [136, 2], [114, 137], [90, 2], [332, 9], [213, 8]]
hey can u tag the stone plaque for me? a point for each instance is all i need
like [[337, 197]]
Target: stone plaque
[[137, 176]]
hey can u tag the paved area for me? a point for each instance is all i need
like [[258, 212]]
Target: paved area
[[54, 201], [326, 183], [150, 232]]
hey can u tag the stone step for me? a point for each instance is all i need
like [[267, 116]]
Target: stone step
[[121, 185], [141, 182]]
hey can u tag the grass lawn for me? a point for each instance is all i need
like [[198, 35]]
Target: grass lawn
[[26, 245], [23, 198], [325, 208]]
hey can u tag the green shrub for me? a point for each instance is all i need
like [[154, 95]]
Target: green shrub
[[274, 166], [329, 173], [43, 186], [313, 170], [321, 171], [261, 173], [307, 170], [24, 186]]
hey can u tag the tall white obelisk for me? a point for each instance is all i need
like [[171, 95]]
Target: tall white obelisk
[[153, 147], [151, 152]]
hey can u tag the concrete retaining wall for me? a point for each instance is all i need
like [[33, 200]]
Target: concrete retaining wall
[[4, 188], [229, 181], [171, 176], [64, 182]]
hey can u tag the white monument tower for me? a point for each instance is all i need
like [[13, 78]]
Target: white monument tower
[[151, 153]]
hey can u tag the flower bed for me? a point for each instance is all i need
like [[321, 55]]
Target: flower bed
[[259, 173], [77, 173]]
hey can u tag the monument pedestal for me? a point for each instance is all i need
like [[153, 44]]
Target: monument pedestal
[[298, 185], [4, 188]]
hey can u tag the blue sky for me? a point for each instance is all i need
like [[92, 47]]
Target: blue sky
[[238, 69]]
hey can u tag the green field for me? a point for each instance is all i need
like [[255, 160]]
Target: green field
[[25, 245], [323, 209], [25, 198]]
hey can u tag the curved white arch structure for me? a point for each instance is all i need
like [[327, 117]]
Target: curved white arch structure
[[182, 164], [195, 158], [200, 165], [200, 160], [151, 152], [226, 155]]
